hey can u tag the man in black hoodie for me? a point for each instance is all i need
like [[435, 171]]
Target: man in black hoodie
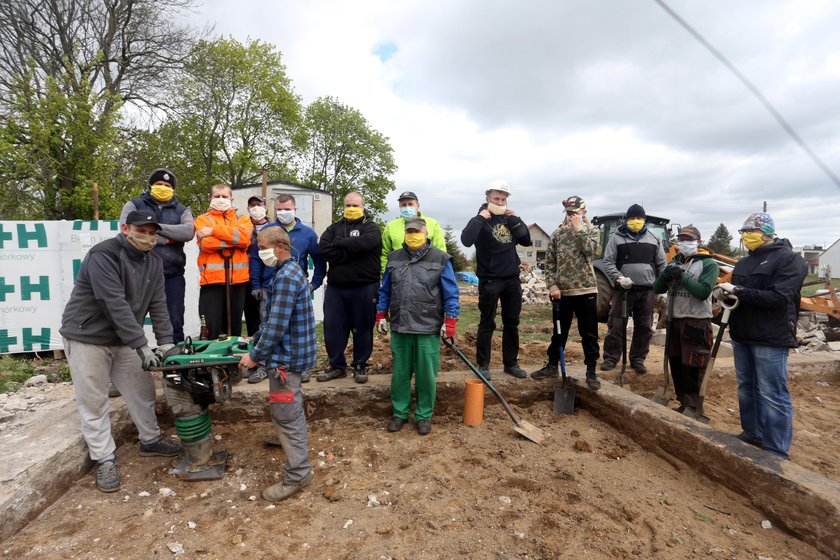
[[351, 247], [495, 232], [767, 283]]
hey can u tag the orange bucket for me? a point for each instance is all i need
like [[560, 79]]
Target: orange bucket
[[473, 402]]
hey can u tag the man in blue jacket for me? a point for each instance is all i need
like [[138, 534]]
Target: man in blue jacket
[[767, 282], [495, 232], [304, 245]]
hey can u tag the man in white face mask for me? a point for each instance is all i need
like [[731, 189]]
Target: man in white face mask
[[304, 243], [223, 240], [689, 279], [119, 282], [259, 220]]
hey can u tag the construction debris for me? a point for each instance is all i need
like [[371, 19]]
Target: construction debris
[[533, 286], [815, 334]]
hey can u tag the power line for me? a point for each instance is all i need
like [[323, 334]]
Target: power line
[[750, 86]]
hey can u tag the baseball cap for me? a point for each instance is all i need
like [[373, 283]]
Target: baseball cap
[[574, 204], [138, 218], [415, 222], [256, 197], [690, 231], [408, 195]]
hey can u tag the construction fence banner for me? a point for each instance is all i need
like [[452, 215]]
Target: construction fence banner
[[39, 262]]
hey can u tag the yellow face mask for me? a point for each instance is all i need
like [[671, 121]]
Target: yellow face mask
[[635, 224], [162, 193], [415, 240], [353, 212], [752, 240]]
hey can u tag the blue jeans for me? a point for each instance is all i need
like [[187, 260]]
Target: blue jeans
[[763, 397]]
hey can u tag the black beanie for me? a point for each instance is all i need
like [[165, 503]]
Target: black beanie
[[162, 175], [635, 211]]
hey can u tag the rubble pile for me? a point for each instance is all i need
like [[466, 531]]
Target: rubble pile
[[815, 334], [533, 286]]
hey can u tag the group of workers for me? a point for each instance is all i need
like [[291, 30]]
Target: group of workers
[[402, 275]]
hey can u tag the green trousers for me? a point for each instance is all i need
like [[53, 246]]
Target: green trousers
[[417, 354]]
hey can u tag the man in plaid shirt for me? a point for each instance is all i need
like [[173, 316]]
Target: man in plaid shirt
[[286, 344]]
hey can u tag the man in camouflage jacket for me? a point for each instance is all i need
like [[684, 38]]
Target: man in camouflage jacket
[[570, 279]]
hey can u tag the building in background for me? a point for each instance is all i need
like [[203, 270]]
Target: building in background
[[829, 257], [314, 206], [811, 254], [534, 255]]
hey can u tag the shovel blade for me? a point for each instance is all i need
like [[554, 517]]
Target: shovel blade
[[661, 396], [564, 400], [530, 431], [697, 415]]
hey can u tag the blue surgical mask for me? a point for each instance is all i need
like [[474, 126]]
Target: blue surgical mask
[[408, 211]]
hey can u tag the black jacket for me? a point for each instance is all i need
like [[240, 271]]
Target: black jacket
[[169, 213], [352, 251], [495, 243], [771, 279]]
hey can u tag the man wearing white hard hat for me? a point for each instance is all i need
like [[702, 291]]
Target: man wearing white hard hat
[[496, 231]]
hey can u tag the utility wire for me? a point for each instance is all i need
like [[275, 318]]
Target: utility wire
[[750, 86]]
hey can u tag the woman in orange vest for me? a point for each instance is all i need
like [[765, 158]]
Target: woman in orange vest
[[223, 239]]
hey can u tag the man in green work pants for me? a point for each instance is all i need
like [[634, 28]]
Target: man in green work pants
[[421, 293]]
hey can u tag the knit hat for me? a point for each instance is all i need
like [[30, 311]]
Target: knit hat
[[635, 211], [415, 222], [690, 231], [762, 221], [162, 175], [574, 204]]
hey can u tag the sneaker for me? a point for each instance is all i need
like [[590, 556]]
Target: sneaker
[[424, 427], [548, 371], [107, 476], [161, 448], [485, 371], [360, 374], [592, 380], [749, 439], [516, 371], [259, 374], [607, 365], [396, 424], [284, 490], [305, 376], [332, 373], [113, 392], [639, 367]]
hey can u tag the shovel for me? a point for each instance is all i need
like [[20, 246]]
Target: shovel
[[564, 396], [728, 302], [525, 428], [664, 394], [624, 334]]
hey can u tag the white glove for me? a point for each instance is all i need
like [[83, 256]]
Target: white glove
[[624, 282], [726, 287], [147, 357], [163, 350], [381, 325]]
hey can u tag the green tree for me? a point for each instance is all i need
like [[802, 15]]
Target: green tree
[[459, 261], [721, 242], [345, 154]]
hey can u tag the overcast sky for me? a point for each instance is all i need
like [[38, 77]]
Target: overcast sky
[[607, 99]]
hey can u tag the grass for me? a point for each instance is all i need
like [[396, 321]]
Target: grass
[[14, 372], [810, 290]]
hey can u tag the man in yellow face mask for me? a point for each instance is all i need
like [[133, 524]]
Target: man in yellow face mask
[[767, 283], [351, 246], [176, 228], [420, 291]]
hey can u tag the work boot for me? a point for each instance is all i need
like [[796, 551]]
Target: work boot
[[424, 427], [607, 365], [485, 371], [305, 376], [743, 436], [259, 374], [284, 490], [360, 374], [516, 371], [592, 380], [396, 424], [161, 448], [639, 367], [548, 371], [113, 392], [332, 373], [107, 476]]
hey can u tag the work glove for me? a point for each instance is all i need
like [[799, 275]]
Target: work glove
[[672, 272], [148, 357], [726, 287], [380, 323], [624, 282], [165, 350], [448, 328], [257, 294]]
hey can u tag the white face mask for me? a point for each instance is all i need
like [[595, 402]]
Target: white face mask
[[220, 204], [257, 212], [268, 257], [285, 216], [687, 248], [496, 209]]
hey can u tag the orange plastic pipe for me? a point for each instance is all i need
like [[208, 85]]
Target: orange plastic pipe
[[473, 402]]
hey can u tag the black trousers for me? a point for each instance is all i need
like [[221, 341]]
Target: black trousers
[[689, 348], [212, 305], [640, 307], [252, 313], [508, 292], [349, 309], [585, 308], [175, 288]]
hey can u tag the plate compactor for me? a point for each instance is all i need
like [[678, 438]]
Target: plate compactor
[[206, 370]]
